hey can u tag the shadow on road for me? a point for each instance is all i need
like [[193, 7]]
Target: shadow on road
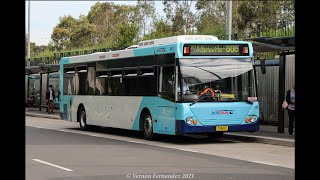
[[173, 139]]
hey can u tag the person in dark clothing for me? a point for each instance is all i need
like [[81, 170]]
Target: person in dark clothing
[[30, 101], [50, 96], [290, 98]]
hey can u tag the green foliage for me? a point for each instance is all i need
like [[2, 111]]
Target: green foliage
[[110, 26], [269, 14], [212, 18], [146, 13], [62, 33], [161, 30], [128, 32]]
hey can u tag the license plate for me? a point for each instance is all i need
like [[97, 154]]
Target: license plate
[[221, 128]]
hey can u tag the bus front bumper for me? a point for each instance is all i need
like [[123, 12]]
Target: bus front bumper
[[183, 128]]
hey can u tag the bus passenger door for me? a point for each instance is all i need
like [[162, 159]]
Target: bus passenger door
[[165, 107]]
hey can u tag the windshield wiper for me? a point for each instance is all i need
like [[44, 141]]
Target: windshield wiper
[[209, 72], [197, 100]]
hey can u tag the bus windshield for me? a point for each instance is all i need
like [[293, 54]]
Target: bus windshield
[[216, 80]]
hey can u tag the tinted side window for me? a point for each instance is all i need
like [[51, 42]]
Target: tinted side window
[[81, 85], [115, 86], [115, 83], [130, 82], [91, 80], [102, 83], [69, 81], [167, 86], [147, 82]]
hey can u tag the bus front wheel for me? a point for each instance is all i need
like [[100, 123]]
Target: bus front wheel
[[147, 127], [82, 118]]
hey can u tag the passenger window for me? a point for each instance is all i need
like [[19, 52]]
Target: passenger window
[[101, 83], [69, 81], [167, 82], [130, 81], [147, 82]]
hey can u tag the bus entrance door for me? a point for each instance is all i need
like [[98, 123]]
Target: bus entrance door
[[165, 119]]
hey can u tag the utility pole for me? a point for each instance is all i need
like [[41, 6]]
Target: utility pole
[[28, 63], [228, 33], [229, 19]]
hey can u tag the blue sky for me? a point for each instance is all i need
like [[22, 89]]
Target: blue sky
[[45, 15]]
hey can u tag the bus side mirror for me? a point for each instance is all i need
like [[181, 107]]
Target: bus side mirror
[[263, 66]]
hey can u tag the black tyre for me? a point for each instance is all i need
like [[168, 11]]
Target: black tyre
[[82, 119], [148, 127]]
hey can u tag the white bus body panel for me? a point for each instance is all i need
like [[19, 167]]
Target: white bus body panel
[[108, 111]]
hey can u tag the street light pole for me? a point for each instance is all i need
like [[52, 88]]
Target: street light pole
[[229, 19], [28, 63]]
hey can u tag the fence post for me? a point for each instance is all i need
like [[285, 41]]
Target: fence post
[[258, 30]]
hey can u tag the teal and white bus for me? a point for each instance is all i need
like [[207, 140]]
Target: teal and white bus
[[189, 84]]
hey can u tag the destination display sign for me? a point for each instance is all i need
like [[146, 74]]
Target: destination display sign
[[216, 50]]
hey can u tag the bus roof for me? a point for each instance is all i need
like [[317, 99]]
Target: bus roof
[[130, 52], [175, 39]]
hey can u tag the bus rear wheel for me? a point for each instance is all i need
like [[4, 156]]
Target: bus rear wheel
[[82, 119], [147, 127], [215, 134]]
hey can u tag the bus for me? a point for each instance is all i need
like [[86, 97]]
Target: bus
[[187, 84]]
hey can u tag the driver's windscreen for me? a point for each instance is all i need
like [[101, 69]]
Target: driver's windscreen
[[230, 79]]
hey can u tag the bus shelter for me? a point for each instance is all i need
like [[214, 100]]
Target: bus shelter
[[283, 46], [41, 69]]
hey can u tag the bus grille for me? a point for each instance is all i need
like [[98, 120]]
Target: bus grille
[[221, 121]]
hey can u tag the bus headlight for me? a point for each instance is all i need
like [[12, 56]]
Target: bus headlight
[[189, 120], [252, 118]]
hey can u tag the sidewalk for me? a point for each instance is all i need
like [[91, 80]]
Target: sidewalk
[[36, 113], [267, 134]]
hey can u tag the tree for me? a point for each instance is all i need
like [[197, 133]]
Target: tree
[[63, 31], [127, 33], [101, 16], [161, 29], [83, 34], [108, 18], [180, 14], [269, 14], [34, 49], [146, 13], [212, 18]]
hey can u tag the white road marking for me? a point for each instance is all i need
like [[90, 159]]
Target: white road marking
[[188, 150], [260, 162], [94, 135], [138, 142], [37, 126], [63, 130], [60, 167]]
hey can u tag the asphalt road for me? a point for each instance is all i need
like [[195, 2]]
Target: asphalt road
[[57, 155]]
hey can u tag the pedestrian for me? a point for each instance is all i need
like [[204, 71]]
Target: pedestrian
[[50, 96], [290, 98], [30, 101]]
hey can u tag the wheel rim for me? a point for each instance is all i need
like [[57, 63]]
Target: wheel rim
[[148, 126], [82, 116]]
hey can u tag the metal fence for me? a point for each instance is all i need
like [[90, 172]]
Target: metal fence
[[279, 29], [268, 88], [268, 91]]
